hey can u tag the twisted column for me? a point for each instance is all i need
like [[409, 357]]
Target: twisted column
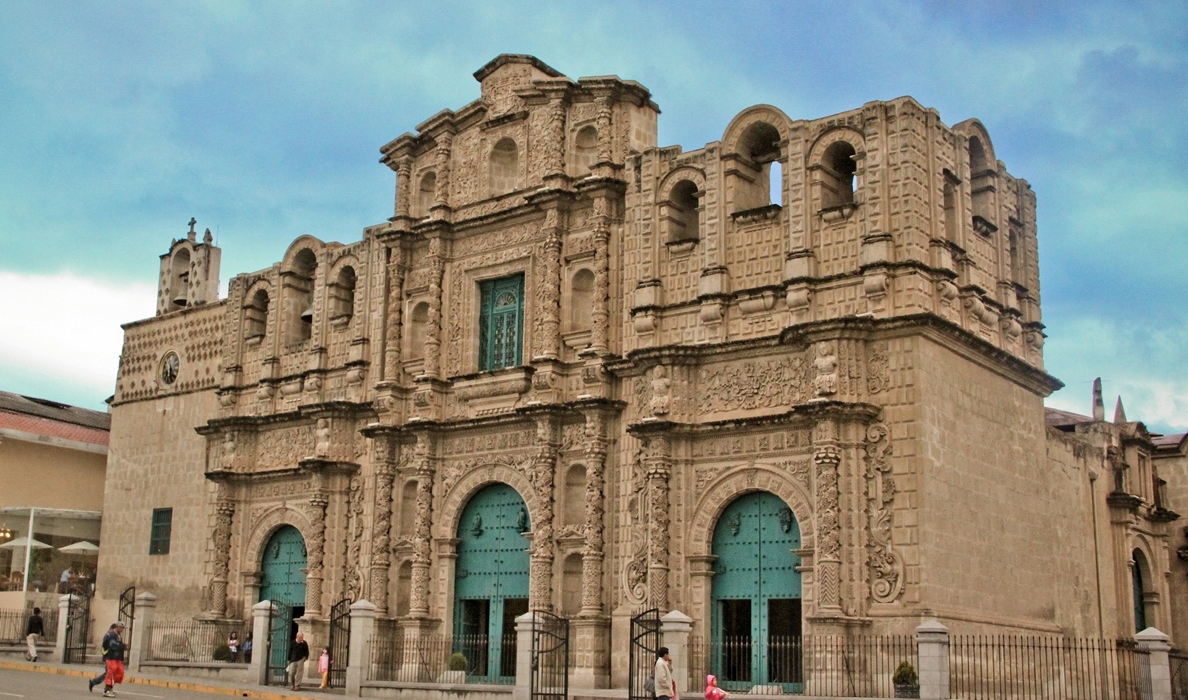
[[381, 528], [600, 311], [441, 196], [593, 553], [827, 560], [418, 604], [224, 513], [316, 551], [544, 464], [403, 186], [433, 332], [549, 342], [658, 467]]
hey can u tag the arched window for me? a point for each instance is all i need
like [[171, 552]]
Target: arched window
[[585, 151], [838, 175], [342, 292], [581, 300], [504, 167], [681, 214], [179, 279], [298, 302], [255, 316], [981, 177], [426, 192], [759, 147], [1140, 582], [418, 323]]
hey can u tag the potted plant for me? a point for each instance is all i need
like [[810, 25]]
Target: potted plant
[[457, 669], [906, 681]]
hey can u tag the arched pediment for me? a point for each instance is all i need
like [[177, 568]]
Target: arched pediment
[[743, 479], [758, 114], [510, 471]]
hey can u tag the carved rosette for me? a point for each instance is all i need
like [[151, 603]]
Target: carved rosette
[[828, 558], [418, 605], [433, 331], [599, 312], [396, 265], [224, 512], [381, 529], [886, 565], [657, 462], [592, 555]]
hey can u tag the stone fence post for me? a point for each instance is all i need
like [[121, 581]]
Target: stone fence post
[[261, 643], [524, 626], [674, 630], [363, 615], [63, 625], [932, 644], [142, 623], [1156, 644]]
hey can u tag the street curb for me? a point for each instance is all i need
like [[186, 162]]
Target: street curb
[[156, 682]]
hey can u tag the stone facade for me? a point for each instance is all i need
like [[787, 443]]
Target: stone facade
[[866, 345]]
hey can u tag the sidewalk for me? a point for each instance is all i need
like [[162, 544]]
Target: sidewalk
[[201, 685]]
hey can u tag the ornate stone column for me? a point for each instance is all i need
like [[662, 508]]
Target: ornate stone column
[[555, 142], [418, 603], [544, 469], [548, 342], [603, 123], [433, 341], [224, 513], [403, 186], [593, 553], [658, 467], [381, 528], [393, 326], [600, 312], [441, 196], [827, 458], [316, 550]]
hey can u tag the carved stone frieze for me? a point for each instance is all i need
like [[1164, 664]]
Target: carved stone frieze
[[756, 384], [877, 372]]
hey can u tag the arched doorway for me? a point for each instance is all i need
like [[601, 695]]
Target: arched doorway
[[491, 581], [282, 567], [1139, 581], [756, 594]]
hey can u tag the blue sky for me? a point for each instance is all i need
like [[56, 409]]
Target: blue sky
[[121, 120]]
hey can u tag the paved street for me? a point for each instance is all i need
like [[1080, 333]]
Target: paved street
[[58, 683]]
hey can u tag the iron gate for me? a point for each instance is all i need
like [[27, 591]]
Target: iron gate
[[128, 617], [78, 625], [550, 657], [340, 642], [645, 640], [280, 618]]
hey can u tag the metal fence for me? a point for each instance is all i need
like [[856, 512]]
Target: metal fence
[[831, 666], [390, 657], [13, 624], [194, 641], [1179, 675], [1047, 668]]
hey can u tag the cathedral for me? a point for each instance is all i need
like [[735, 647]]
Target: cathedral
[[787, 383]]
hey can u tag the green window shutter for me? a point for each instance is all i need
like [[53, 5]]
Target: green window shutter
[[501, 323]]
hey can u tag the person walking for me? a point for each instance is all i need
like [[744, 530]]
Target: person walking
[[298, 655], [33, 630], [113, 657], [665, 684], [98, 680]]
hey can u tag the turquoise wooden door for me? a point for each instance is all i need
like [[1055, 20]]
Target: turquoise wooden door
[[756, 594], [283, 582], [491, 581]]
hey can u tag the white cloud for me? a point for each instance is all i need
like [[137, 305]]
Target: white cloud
[[67, 327]]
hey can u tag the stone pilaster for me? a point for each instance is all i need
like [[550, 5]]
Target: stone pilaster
[[394, 326], [224, 513], [593, 554], [549, 341], [603, 123], [555, 145], [441, 196], [658, 467], [433, 333], [316, 551], [403, 186]]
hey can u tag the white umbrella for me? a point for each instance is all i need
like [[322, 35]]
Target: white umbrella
[[23, 542], [80, 547]]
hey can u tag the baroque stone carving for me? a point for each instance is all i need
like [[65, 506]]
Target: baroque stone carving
[[352, 584], [886, 565], [877, 374], [756, 384], [825, 382]]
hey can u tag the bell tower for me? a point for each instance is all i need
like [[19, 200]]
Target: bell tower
[[189, 273]]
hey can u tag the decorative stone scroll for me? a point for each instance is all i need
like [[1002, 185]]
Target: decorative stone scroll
[[635, 567], [886, 564]]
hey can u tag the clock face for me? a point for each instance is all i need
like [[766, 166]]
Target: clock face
[[170, 364]]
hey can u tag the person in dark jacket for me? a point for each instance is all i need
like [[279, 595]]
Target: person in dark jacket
[[35, 629], [298, 655], [113, 659]]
